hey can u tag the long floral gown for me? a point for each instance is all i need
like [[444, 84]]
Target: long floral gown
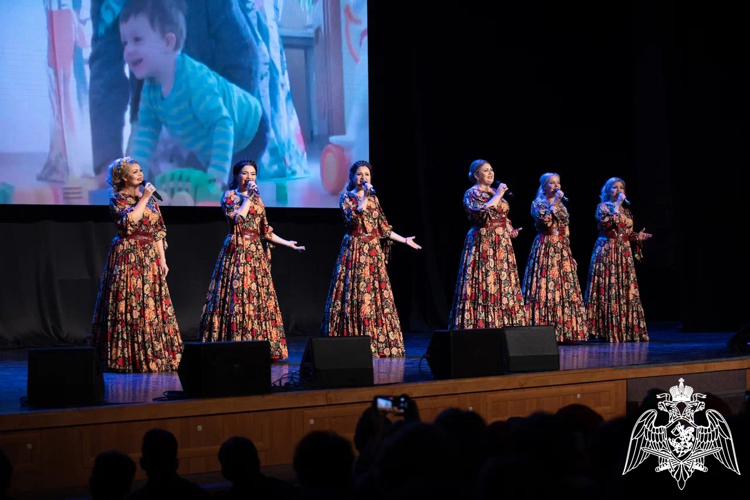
[[613, 303], [360, 300], [134, 327], [488, 291], [241, 303], [550, 285]]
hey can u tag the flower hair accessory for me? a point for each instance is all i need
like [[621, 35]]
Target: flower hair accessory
[[125, 161]]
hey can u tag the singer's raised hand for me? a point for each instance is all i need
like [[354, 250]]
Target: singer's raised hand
[[621, 198], [409, 240], [559, 195], [514, 232], [643, 235], [148, 190], [293, 245]]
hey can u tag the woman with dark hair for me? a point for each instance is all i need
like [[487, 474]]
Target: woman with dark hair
[[360, 300], [551, 289], [241, 303], [613, 303], [134, 327], [488, 291]]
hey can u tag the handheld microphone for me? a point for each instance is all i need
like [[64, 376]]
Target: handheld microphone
[[565, 198], [371, 190], [508, 193], [627, 201], [155, 193]]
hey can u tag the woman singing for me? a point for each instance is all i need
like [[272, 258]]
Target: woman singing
[[134, 327], [360, 301], [550, 285], [241, 302], [613, 303], [488, 292]]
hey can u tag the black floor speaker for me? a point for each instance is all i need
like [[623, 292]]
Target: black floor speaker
[[740, 341], [337, 362], [220, 369], [465, 353], [64, 376], [530, 349]]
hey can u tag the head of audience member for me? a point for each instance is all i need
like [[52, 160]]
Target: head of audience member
[[513, 476], [323, 460], [582, 418], [239, 460], [416, 453], [112, 476], [543, 431], [371, 425], [468, 433], [159, 454]]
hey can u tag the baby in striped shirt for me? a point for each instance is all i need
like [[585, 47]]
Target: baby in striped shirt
[[204, 112]]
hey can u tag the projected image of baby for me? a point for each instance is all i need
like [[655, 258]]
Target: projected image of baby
[[206, 114]]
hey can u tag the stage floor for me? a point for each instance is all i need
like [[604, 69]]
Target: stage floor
[[668, 346]]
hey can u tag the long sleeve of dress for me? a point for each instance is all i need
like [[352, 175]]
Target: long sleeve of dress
[[385, 228], [542, 214], [160, 229], [120, 210], [231, 203], [475, 207], [353, 217], [607, 218]]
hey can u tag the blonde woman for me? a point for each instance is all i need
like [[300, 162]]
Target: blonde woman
[[550, 285], [134, 327], [613, 301]]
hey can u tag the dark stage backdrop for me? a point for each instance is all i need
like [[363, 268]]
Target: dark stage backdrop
[[654, 92]]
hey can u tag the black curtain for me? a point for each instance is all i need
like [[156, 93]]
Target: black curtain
[[654, 92]]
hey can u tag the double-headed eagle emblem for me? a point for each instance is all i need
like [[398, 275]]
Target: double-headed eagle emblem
[[681, 446]]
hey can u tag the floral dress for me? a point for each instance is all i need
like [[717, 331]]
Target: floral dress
[[241, 303], [134, 327], [550, 285], [488, 291], [613, 303], [360, 300]]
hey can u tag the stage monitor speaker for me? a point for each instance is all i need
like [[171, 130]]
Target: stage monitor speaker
[[61, 377], [465, 353], [330, 362], [740, 341], [530, 349], [219, 369]]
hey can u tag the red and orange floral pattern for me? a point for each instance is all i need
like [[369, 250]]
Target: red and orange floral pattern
[[241, 303], [134, 328], [550, 285], [488, 291], [360, 300], [613, 302]]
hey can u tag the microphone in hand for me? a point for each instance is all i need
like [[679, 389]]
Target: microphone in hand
[[155, 193], [496, 186], [368, 187], [564, 198]]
